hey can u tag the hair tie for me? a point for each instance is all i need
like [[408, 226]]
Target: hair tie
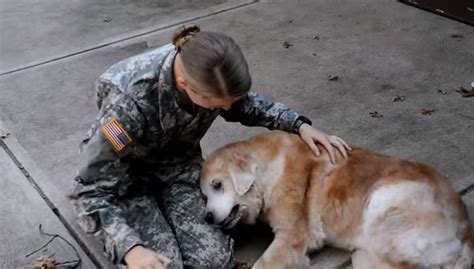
[[185, 34]]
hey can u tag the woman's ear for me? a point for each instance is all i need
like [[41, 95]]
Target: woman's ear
[[181, 83]]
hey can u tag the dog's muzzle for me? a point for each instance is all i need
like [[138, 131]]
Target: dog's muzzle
[[231, 219], [228, 222]]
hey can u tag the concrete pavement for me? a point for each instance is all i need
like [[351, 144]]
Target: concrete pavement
[[37, 32], [378, 49], [23, 211]]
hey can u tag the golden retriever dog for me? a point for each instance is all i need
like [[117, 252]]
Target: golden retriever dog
[[389, 213]]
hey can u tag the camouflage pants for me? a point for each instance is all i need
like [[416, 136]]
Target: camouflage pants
[[170, 219]]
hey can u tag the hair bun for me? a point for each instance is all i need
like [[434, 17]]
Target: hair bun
[[179, 37]]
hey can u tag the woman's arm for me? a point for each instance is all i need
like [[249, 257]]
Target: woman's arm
[[103, 177], [254, 110]]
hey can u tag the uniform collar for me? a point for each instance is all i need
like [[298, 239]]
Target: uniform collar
[[166, 80]]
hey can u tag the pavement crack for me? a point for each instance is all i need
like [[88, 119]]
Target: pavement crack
[[465, 116], [466, 190]]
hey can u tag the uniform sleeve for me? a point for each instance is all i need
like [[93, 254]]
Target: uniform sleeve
[[103, 178], [254, 110]]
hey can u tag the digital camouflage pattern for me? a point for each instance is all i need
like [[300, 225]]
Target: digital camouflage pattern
[[148, 193]]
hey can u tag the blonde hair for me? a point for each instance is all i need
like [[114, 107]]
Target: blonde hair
[[214, 60]]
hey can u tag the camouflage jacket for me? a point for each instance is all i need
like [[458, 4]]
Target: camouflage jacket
[[138, 95]]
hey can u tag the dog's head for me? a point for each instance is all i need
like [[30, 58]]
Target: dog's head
[[227, 180]]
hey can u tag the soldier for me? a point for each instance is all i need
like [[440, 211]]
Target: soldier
[[137, 189]]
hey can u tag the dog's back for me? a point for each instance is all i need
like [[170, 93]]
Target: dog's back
[[401, 212]]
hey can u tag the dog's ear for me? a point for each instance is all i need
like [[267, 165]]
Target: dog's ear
[[243, 173]]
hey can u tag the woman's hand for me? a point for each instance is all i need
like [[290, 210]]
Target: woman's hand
[[311, 135], [141, 258]]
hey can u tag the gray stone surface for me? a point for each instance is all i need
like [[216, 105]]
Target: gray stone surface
[[379, 49], [22, 211]]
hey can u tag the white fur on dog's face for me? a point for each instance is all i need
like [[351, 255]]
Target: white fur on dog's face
[[229, 192], [221, 197]]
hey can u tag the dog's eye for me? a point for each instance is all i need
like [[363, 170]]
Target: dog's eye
[[216, 185]]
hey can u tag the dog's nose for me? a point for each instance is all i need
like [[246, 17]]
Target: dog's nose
[[209, 218]]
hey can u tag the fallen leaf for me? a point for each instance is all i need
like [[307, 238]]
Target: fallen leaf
[[375, 114], [427, 111], [465, 92], [398, 98], [4, 135], [442, 92], [286, 44], [107, 20], [332, 77], [316, 37]]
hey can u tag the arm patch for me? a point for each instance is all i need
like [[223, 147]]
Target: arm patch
[[116, 135]]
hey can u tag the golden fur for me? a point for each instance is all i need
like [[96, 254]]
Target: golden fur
[[313, 202]]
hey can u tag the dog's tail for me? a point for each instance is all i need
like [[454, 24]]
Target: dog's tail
[[466, 261]]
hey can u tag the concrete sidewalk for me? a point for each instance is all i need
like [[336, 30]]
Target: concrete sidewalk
[[378, 49], [23, 211]]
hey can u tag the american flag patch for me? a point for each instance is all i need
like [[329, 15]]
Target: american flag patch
[[116, 135]]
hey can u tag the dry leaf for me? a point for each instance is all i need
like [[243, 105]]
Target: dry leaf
[[442, 92], [375, 114], [241, 265], [286, 44], [465, 92], [427, 111], [398, 98], [332, 77], [4, 135]]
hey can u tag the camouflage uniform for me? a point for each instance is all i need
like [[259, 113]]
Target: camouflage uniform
[[148, 193]]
